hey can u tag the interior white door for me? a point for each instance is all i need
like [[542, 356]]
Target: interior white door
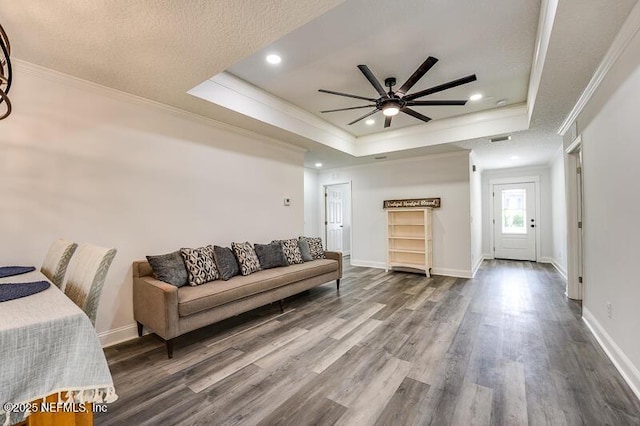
[[334, 218], [514, 221]]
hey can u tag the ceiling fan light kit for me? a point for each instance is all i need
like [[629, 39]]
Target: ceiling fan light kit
[[391, 103]]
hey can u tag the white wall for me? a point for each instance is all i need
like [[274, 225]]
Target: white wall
[[311, 203], [544, 222], [558, 213], [93, 165], [444, 176], [610, 148], [475, 192]]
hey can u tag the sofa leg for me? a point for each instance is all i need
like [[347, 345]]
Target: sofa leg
[[281, 306], [140, 328], [169, 344], [338, 284]]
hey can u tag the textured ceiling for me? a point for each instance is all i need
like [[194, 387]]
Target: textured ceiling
[[493, 39], [159, 50], [154, 49]]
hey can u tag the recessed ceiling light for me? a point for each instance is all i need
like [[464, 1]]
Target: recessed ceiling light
[[318, 165], [515, 157], [274, 59], [475, 97], [370, 122]]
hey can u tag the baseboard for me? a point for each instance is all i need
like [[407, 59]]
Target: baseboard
[[629, 372], [555, 264], [477, 266], [118, 335], [368, 264], [457, 273]]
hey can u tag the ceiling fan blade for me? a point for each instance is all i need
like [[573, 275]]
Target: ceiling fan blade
[[440, 88], [435, 103], [387, 121], [415, 114], [347, 109], [417, 75], [373, 80], [363, 117], [331, 92]]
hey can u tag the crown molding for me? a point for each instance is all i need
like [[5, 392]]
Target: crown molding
[[629, 29], [98, 89]]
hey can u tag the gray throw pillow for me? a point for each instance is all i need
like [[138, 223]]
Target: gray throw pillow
[[303, 245], [226, 262], [270, 255], [169, 268]]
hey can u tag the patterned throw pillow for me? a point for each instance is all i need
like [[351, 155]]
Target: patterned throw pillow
[[247, 257], [315, 246], [291, 250], [200, 265], [226, 262]]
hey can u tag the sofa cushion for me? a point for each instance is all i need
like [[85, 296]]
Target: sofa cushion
[[247, 258], [197, 299], [200, 265], [305, 252], [291, 250], [270, 255], [169, 268], [226, 262], [315, 246]]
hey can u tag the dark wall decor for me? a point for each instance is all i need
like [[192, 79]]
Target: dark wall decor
[[412, 203], [5, 74]]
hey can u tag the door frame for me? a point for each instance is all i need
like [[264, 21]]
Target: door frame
[[323, 212], [575, 253], [515, 180]]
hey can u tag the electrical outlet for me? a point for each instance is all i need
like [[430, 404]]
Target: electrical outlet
[[609, 309]]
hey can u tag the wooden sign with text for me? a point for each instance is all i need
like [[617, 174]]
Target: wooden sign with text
[[412, 204]]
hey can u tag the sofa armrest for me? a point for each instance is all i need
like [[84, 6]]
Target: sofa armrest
[[155, 305], [335, 255]]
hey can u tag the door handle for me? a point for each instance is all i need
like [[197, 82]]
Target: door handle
[[341, 226]]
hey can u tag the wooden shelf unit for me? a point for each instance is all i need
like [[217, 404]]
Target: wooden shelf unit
[[409, 238]]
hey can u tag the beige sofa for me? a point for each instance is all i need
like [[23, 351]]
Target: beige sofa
[[170, 311]]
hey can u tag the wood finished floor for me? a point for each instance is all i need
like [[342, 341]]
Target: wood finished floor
[[505, 348]]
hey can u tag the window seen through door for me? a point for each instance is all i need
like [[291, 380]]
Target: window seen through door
[[514, 203]]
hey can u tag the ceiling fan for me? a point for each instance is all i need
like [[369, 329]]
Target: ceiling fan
[[391, 103]]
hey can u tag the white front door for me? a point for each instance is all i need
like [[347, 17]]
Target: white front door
[[334, 219], [514, 221]]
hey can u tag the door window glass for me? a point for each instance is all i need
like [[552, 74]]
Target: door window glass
[[514, 203]]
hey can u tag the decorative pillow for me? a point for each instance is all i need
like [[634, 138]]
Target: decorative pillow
[[226, 262], [291, 250], [270, 255], [247, 258], [303, 245], [169, 268], [315, 246], [200, 265]]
